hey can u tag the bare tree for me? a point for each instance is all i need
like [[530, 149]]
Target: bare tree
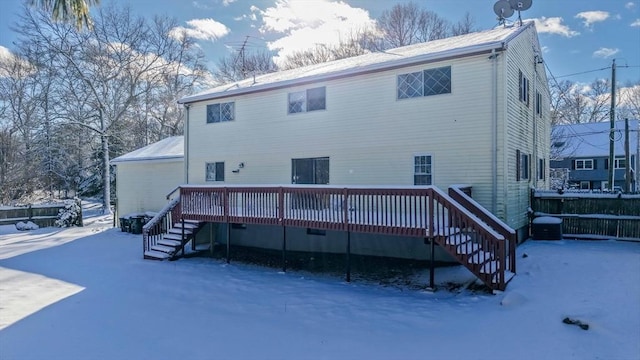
[[574, 103], [465, 26], [242, 65], [406, 24]]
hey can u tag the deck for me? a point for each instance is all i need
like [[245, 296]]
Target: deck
[[422, 212]]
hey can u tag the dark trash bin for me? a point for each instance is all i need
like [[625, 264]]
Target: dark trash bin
[[546, 228], [125, 224], [137, 222]]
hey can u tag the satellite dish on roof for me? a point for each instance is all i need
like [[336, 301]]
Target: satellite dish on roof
[[520, 5], [503, 9], [506, 8]]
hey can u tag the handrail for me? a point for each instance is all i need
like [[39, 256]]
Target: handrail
[[154, 230], [173, 191], [490, 219]]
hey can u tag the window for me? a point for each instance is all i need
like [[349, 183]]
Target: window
[[422, 174], [523, 88], [522, 166], [310, 171], [585, 185], [583, 164], [307, 100], [620, 163], [425, 83], [538, 104], [541, 169], [220, 112], [214, 171]]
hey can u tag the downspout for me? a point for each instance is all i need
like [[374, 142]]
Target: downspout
[[494, 133], [534, 174], [186, 145]]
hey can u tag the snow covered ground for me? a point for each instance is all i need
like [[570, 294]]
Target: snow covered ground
[[86, 293]]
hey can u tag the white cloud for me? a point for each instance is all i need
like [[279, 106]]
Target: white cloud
[[636, 23], [545, 49], [554, 25], [203, 29], [591, 17], [202, 6], [228, 2], [605, 52], [630, 5], [303, 24], [5, 53]]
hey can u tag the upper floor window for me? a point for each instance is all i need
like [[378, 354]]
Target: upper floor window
[[220, 112], [541, 169], [523, 88], [214, 171], [425, 83], [307, 100], [583, 164], [422, 174], [620, 163], [538, 104]]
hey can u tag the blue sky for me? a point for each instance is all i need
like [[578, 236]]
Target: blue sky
[[580, 38]]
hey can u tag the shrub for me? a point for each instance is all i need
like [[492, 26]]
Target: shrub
[[71, 215]]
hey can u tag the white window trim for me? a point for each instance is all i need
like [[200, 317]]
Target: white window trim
[[306, 100], [616, 162], [413, 168], [584, 162], [422, 95]]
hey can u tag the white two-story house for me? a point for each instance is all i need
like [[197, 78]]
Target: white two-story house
[[471, 109]]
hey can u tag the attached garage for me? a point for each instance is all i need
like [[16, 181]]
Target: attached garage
[[145, 176]]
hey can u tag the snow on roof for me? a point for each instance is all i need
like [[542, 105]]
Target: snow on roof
[[169, 148], [375, 61], [592, 139]]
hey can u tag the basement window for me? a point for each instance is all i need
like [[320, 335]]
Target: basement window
[[318, 232]]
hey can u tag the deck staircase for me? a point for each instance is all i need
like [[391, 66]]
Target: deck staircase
[[172, 244], [469, 252]]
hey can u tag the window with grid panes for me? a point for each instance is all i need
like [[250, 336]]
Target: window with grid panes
[[422, 174], [307, 100], [220, 112], [425, 83]]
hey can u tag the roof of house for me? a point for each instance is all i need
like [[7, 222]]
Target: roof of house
[[456, 46], [165, 149], [592, 139]]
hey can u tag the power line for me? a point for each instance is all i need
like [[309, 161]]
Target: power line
[[583, 72]]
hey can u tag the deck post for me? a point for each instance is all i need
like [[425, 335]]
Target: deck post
[[432, 265], [228, 242], [284, 248], [182, 237], [348, 256]]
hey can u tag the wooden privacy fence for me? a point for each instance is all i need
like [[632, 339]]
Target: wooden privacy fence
[[42, 215], [591, 215]]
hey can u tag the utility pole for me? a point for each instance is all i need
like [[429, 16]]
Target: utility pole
[[612, 119], [627, 158]]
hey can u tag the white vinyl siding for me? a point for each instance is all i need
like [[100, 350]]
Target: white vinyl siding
[[143, 185]]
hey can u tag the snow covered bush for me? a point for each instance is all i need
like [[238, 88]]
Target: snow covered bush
[[71, 215], [22, 226]]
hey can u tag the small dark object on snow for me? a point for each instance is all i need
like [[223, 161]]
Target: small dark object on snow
[[525, 256], [570, 321]]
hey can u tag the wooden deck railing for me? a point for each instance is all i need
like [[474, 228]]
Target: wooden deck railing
[[503, 229], [155, 229], [424, 212]]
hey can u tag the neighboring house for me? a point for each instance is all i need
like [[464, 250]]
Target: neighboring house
[[471, 109], [583, 151], [145, 176]]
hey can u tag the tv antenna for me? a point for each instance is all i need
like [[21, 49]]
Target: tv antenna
[[506, 8]]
